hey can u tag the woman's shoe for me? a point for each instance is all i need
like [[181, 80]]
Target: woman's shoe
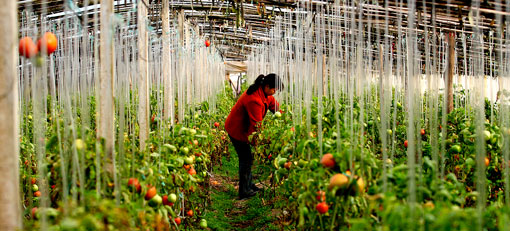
[[255, 188], [248, 194]]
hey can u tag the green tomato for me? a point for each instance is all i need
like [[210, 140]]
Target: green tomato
[[172, 197], [302, 163], [455, 149], [155, 201], [80, 145], [486, 135], [282, 162], [389, 132], [170, 147], [470, 162], [278, 114], [203, 223], [35, 188], [185, 150], [493, 139], [188, 160], [180, 161], [183, 130]]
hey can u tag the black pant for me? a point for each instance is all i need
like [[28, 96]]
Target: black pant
[[245, 156]]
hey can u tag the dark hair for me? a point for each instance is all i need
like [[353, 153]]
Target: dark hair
[[272, 80]]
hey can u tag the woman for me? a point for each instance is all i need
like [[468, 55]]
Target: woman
[[244, 119]]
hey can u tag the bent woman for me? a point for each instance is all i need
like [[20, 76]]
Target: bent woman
[[244, 119]]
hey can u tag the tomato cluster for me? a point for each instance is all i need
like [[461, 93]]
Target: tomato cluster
[[46, 45]]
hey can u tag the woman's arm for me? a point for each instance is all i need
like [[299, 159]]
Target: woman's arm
[[273, 104], [255, 111]]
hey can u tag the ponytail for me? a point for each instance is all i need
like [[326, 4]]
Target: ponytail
[[272, 80]]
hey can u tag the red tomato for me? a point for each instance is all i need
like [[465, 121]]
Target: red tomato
[[321, 196], [27, 47], [37, 194], [192, 171], [328, 161], [34, 211], [190, 213], [405, 143], [177, 220], [422, 132], [216, 124], [150, 193], [33, 180], [207, 43], [134, 183], [49, 42], [322, 207], [287, 165], [165, 200]]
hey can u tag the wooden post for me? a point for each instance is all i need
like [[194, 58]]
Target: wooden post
[[106, 82], [10, 212], [143, 75], [180, 25], [167, 66], [451, 63]]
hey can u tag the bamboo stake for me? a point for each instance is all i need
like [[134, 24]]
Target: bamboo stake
[[10, 211], [451, 63], [324, 76]]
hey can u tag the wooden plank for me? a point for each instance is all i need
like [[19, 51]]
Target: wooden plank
[[143, 75], [106, 82], [10, 211], [167, 66]]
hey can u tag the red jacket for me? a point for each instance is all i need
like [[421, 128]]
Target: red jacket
[[248, 111]]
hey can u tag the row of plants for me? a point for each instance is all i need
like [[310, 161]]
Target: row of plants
[[335, 178], [164, 186], [339, 180]]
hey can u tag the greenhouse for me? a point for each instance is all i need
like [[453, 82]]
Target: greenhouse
[[255, 115]]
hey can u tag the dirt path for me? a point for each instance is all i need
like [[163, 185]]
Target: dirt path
[[223, 185], [227, 212]]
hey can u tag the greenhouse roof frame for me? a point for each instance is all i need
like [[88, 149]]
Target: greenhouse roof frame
[[236, 26]]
